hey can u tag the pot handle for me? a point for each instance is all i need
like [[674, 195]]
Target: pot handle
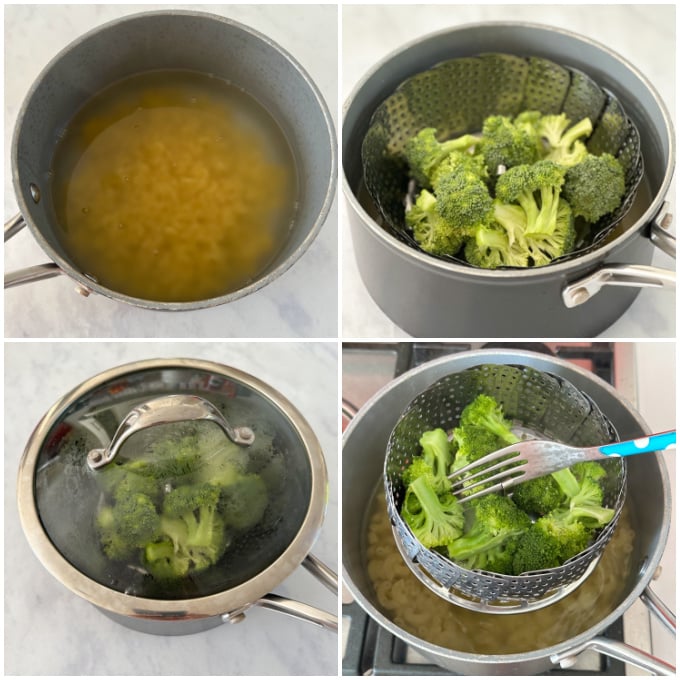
[[624, 652], [617, 650], [36, 273], [298, 610], [639, 276]]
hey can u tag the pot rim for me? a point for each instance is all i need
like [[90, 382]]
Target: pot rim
[[506, 276], [91, 285], [509, 356], [241, 596]]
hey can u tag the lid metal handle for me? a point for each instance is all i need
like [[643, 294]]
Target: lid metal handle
[[162, 411]]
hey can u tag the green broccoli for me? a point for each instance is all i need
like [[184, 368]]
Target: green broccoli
[[434, 519], [244, 502], [585, 498], [463, 200], [506, 144], [419, 467], [589, 469], [474, 441], [546, 247], [431, 231], [129, 524], [595, 187], [537, 550], [538, 496], [492, 522], [491, 248], [457, 161], [564, 145], [486, 412], [195, 529], [536, 188], [437, 451], [424, 153]]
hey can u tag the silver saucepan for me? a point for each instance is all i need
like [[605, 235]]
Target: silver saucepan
[[54, 469], [429, 297], [363, 456], [170, 39]]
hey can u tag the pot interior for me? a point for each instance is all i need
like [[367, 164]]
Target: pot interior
[[637, 97], [278, 457], [363, 457], [175, 41]]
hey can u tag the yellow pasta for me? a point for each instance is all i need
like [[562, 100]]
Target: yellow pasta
[[413, 607], [173, 186]]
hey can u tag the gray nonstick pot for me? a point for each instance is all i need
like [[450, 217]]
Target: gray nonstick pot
[[428, 297], [363, 457], [54, 470], [170, 39]]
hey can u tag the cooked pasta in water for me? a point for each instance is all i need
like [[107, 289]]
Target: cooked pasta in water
[[411, 606], [173, 186]]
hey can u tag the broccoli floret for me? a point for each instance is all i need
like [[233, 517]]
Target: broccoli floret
[[474, 441], [463, 200], [457, 161], [195, 529], [434, 519], [537, 550], [127, 525], [550, 542], [538, 496], [437, 452], [589, 470], [431, 231], [424, 153], [595, 187], [244, 502], [419, 467], [506, 144], [486, 412], [536, 188], [585, 498], [546, 247], [491, 248], [563, 142], [494, 521]]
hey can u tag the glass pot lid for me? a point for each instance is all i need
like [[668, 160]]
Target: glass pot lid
[[181, 511]]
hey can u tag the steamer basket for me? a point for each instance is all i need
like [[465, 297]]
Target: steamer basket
[[455, 97], [549, 407]]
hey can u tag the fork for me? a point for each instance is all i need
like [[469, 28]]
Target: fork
[[533, 458]]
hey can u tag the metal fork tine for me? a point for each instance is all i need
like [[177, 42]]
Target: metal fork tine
[[489, 458], [511, 463], [504, 479]]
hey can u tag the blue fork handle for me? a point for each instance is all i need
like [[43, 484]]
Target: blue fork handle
[[655, 442]]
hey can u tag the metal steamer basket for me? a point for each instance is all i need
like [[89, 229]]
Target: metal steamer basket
[[55, 467], [457, 95], [578, 297], [648, 499], [541, 405]]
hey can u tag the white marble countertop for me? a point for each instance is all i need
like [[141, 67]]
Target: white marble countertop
[[300, 303], [51, 631], [645, 34]]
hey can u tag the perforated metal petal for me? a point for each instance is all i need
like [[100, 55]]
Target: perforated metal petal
[[456, 96], [549, 406]]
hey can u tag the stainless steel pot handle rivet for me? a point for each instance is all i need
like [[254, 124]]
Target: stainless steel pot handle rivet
[[163, 410], [640, 276], [298, 610], [30, 274]]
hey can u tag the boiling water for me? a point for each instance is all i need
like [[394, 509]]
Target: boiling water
[[173, 186], [417, 610]]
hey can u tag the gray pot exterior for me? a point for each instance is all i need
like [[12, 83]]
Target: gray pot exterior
[[431, 298], [363, 455], [176, 39]]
